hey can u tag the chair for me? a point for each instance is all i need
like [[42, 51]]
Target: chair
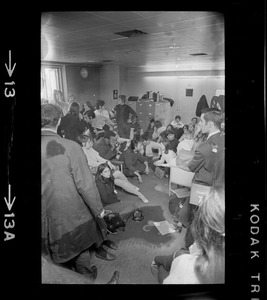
[[118, 163], [180, 177]]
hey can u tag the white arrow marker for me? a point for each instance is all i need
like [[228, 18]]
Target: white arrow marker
[[8, 202], [9, 69]]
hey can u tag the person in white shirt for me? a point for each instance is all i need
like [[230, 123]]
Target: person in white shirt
[[168, 158], [187, 143], [94, 160], [158, 129], [176, 123], [100, 109], [150, 149]]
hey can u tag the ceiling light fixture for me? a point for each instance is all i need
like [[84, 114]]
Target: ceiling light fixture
[[174, 46]]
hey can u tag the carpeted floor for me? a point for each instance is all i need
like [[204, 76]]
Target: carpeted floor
[[140, 242]]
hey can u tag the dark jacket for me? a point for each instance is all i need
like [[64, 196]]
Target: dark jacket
[[123, 112], [106, 189], [202, 103], [104, 149], [70, 199], [208, 161], [71, 127]]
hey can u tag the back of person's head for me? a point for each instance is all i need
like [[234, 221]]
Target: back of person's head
[[74, 108], [108, 134], [133, 144], [90, 114], [123, 98], [177, 118], [158, 124], [100, 103], [208, 230], [151, 121], [84, 138], [50, 115], [214, 115], [144, 137]]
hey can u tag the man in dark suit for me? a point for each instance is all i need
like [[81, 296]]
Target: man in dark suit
[[208, 161]]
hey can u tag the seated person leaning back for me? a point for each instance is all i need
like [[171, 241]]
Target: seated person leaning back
[[135, 164], [106, 145], [94, 160]]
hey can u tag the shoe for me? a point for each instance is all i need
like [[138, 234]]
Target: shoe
[[104, 254], [89, 273], [115, 278], [154, 269], [143, 198], [110, 244], [112, 231]]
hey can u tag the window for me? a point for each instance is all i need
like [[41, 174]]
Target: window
[[51, 79]]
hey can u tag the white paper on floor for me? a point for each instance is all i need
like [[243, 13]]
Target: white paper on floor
[[164, 227]]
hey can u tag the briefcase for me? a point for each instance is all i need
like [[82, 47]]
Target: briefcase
[[198, 191]]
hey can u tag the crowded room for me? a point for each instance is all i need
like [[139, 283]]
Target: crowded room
[[132, 147]]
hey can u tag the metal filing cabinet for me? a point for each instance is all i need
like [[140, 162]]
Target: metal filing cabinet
[[147, 110]]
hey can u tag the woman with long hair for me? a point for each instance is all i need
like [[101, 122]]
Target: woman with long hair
[[204, 261], [94, 160]]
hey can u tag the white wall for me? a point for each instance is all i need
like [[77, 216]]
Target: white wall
[[174, 87]]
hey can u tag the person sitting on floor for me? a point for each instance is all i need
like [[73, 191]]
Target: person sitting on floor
[[204, 263], [94, 160], [158, 129], [105, 184], [106, 145], [177, 123], [167, 159], [150, 149], [187, 143], [150, 129], [185, 129], [135, 164]]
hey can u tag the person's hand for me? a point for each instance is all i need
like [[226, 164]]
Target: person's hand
[[140, 178], [155, 157], [129, 121]]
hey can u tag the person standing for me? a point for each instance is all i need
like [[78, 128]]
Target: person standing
[[71, 207], [71, 125], [124, 115], [208, 161]]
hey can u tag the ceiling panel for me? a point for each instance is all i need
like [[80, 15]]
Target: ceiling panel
[[90, 35]]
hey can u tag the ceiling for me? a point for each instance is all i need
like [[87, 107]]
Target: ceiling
[[170, 39]]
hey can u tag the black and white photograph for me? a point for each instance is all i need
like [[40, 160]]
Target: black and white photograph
[[134, 151]]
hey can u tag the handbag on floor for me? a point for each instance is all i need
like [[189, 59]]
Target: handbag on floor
[[114, 221]]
